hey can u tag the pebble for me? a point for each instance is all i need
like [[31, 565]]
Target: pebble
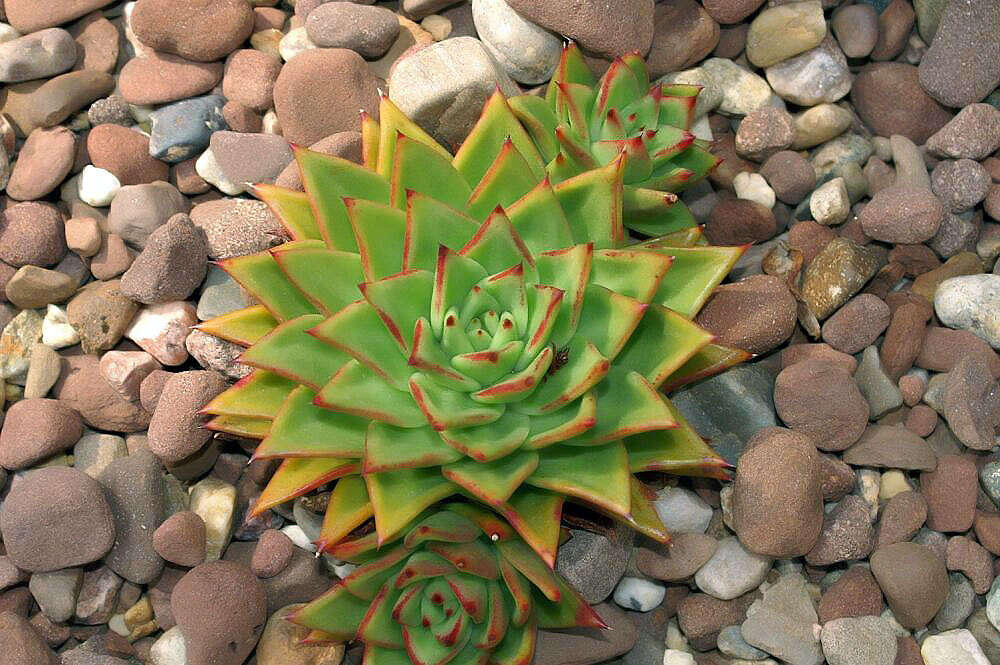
[[686, 553], [958, 604], [778, 508], [282, 643], [639, 595], [753, 187], [742, 90], [756, 314], [97, 43], [35, 429], [56, 518], [859, 640], [57, 332], [37, 55], [984, 632], [250, 76], [100, 314], [847, 534], [594, 563], [113, 110], [732, 644], [202, 30], [822, 401], [839, 271], [896, 567], [879, 390], [778, 33], [125, 153], [857, 324], [921, 420], [954, 647], [43, 163], [732, 570], [56, 592], [97, 187], [782, 622], [367, 30], [125, 370], [902, 214], [21, 643], [181, 130], [729, 407], [969, 557], [82, 388], [701, 617], [974, 133], [830, 204], [443, 86], [159, 78], [83, 236], [19, 335], [963, 263], [856, 28], [236, 227], [29, 106], [960, 184], [31, 233], [217, 354], [950, 491], [682, 511], [95, 451], [161, 329], [855, 593], [968, 303], [249, 158], [790, 176], [221, 609], [889, 99], [171, 265], [683, 34], [969, 397], [740, 221], [169, 648], [764, 132], [272, 555], [138, 210], [962, 65], [819, 75], [676, 657], [296, 41], [214, 501], [320, 91], [33, 287], [113, 259], [597, 27], [181, 538]]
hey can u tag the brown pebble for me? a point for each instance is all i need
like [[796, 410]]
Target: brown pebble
[[180, 539], [823, 352], [35, 429], [854, 594], [950, 491], [187, 181], [914, 581], [249, 78], [790, 175], [821, 400], [857, 324], [159, 78], [42, 164], [125, 153], [889, 98], [903, 339], [755, 314], [176, 430], [202, 30], [273, 553], [987, 526], [847, 534], [31, 233], [240, 118], [113, 259], [921, 420], [738, 222], [21, 644], [894, 26], [969, 557], [900, 518], [701, 617]]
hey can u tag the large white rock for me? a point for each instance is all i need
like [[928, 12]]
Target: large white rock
[[954, 647], [971, 302], [529, 53]]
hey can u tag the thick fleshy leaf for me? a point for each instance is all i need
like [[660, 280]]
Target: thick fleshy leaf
[[646, 409], [630, 272], [661, 343], [517, 646], [399, 496], [709, 361], [582, 367], [446, 409], [358, 391], [420, 168], [290, 351], [293, 209], [328, 180], [565, 423], [492, 482], [247, 428], [445, 526], [497, 246], [473, 557], [520, 384], [496, 126], [379, 231], [539, 220], [608, 319], [597, 475], [508, 179], [655, 213], [388, 448], [400, 300], [538, 120], [393, 123], [296, 476], [327, 278], [429, 225], [571, 610], [347, 509], [262, 277], [535, 515], [260, 394], [242, 326], [378, 627], [679, 450], [695, 273], [592, 204], [337, 612], [302, 429]]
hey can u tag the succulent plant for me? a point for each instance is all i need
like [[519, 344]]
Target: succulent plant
[[582, 124], [440, 326], [457, 586]]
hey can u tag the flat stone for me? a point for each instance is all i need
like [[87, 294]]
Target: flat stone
[[236, 227], [854, 594], [82, 387], [27, 16], [859, 641], [778, 33], [159, 78], [743, 91], [891, 447], [607, 32], [47, 103], [972, 134], [56, 592], [890, 100], [42, 164], [896, 568], [134, 487], [686, 553], [833, 423], [171, 265], [203, 30], [782, 622], [901, 518], [732, 570], [21, 644], [954, 647], [594, 563]]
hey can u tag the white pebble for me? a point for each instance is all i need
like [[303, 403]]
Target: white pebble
[[8, 33], [674, 657], [830, 204], [208, 168], [97, 187], [954, 647], [732, 571], [295, 42], [676, 639], [682, 511], [169, 649], [270, 123], [753, 187], [639, 595], [57, 332], [214, 501], [298, 537], [117, 624]]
